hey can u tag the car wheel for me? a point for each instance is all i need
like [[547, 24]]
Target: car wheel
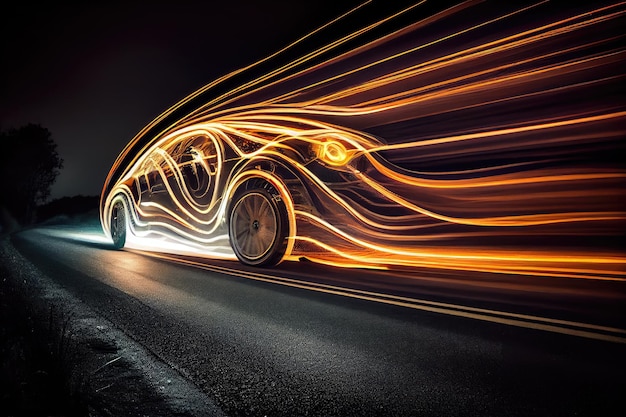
[[258, 226], [118, 224]]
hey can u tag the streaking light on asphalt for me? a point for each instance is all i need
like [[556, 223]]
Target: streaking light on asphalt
[[79, 236]]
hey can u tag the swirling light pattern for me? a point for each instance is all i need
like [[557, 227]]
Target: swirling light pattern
[[494, 146]]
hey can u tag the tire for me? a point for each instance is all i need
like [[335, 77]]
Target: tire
[[118, 224], [258, 226]]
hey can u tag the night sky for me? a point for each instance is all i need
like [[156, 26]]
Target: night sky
[[95, 73]]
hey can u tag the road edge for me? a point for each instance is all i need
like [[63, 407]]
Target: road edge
[[100, 345]]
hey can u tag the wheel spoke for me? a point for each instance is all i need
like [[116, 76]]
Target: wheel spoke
[[248, 244], [257, 202], [242, 234], [266, 236], [265, 211], [248, 212]]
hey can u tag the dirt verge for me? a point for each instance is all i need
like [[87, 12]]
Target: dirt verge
[[60, 358]]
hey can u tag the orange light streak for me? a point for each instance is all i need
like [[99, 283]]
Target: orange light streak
[[578, 329], [356, 197]]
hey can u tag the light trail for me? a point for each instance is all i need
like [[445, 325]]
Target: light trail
[[571, 328], [474, 149]]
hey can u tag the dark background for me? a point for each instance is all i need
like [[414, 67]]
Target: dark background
[[95, 73]]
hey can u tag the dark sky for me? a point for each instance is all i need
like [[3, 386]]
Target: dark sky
[[95, 73]]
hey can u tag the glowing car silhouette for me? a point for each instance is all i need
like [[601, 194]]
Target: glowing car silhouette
[[264, 187], [383, 153], [245, 184]]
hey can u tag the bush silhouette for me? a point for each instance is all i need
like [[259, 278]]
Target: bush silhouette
[[29, 165]]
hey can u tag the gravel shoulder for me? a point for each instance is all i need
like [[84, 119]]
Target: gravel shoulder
[[105, 372]]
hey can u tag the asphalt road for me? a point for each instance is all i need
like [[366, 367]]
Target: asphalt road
[[304, 339]]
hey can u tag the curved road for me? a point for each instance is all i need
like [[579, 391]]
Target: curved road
[[305, 339]]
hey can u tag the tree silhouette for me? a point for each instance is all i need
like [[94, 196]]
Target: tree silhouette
[[29, 165]]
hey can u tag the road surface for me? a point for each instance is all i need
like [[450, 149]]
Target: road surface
[[305, 339]]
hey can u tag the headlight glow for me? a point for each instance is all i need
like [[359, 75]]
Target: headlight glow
[[334, 153]]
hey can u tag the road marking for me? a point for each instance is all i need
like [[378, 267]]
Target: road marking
[[590, 331]]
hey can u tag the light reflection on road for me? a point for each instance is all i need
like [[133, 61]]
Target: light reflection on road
[[605, 333]]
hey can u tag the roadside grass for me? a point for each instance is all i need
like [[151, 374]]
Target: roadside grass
[[37, 373], [58, 358]]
